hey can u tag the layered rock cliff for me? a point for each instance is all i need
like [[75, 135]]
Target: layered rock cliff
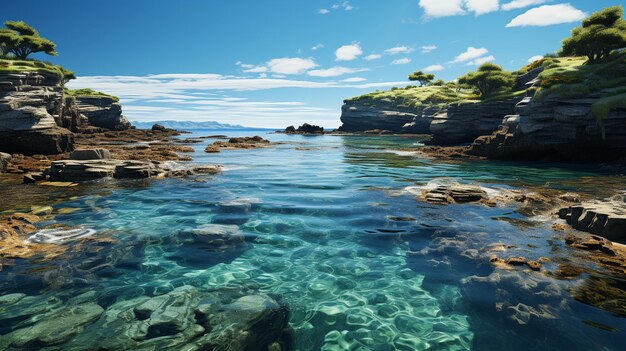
[[102, 111], [464, 122], [38, 117], [556, 129], [32, 114], [385, 115]]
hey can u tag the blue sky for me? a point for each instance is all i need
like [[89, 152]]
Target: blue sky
[[280, 62]]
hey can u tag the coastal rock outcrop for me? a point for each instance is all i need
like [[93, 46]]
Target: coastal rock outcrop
[[558, 130], [464, 122], [384, 115], [31, 114], [102, 111], [606, 219], [305, 129]]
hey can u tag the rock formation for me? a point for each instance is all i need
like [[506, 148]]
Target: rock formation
[[384, 115], [556, 129], [464, 122], [305, 129], [31, 114], [102, 111], [606, 219]]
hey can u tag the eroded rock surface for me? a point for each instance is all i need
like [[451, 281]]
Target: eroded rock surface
[[607, 219], [103, 112]]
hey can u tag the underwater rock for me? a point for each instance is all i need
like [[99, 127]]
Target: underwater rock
[[218, 235], [54, 328]]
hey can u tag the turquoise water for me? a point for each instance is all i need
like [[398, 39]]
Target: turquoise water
[[330, 224]]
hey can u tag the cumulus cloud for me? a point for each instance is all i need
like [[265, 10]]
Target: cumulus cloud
[[442, 8], [548, 15], [481, 7], [535, 58], [372, 57], [334, 71], [398, 50], [479, 61], [402, 61], [519, 4], [348, 52], [290, 65], [428, 48], [470, 54], [434, 68]]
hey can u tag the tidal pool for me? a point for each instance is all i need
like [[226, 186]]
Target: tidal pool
[[325, 225]]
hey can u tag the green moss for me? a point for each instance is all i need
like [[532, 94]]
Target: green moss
[[601, 108], [90, 93], [7, 65]]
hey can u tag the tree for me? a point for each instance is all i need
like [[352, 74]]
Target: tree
[[488, 79], [421, 77], [21, 40], [600, 34]]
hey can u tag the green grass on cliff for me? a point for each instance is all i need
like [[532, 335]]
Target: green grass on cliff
[[570, 77], [415, 97], [16, 66], [90, 93]]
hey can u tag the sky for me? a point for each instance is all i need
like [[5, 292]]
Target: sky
[[276, 63]]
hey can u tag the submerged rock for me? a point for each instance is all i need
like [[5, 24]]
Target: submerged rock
[[454, 193]]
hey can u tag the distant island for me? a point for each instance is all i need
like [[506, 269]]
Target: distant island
[[190, 125]]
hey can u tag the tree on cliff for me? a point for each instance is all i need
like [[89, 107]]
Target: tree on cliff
[[488, 79], [21, 40], [600, 34], [421, 77]]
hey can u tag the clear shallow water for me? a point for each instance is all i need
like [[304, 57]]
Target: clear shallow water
[[329, 228]]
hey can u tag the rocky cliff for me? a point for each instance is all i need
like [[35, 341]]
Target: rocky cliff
[[384, 115], [32, 114], [464, 122], [556, 129], [102, 111]]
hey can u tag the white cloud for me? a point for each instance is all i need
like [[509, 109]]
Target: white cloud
[[434, 68], [256, 69], [334, 71], [535, 58], [548, 15], [428, 48], [470, 54], [348, 52], [323, 11], [402, 61], [442, 8], [290, 65], [519, 4], [479, 61], [343, 5], [481, 7], [200, 97], [317, 47], [372, 57], [398, 50], [354, 80]]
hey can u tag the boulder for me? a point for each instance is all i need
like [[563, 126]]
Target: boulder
[[218, 236], [158, 128], [102, 111], [454, 193], [310, 129], [4, 161], [90, 154]]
